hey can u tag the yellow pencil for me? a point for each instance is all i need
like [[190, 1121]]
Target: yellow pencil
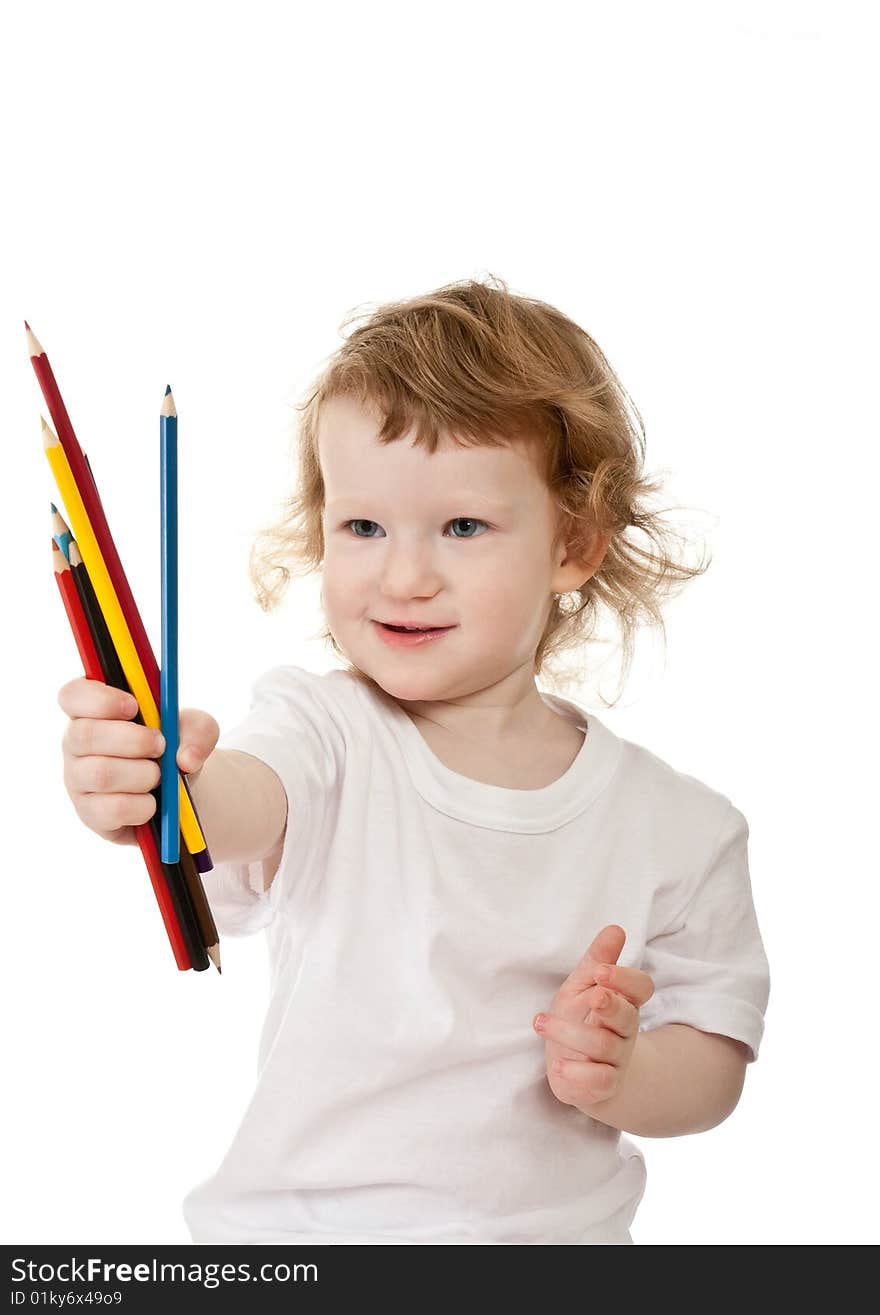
[[113, 615]]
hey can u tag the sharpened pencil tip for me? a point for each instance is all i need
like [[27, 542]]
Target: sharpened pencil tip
[[54, 508], [167, 389], [27, 326], [168, 408]]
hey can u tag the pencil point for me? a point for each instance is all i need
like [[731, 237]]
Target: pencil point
[[167, 389], [59, 523], [168, 407], [50, 439], [54, 508], [213, 952], [34, 348]]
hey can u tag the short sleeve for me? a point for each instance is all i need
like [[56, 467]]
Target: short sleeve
[[708, 964], [290, 728]]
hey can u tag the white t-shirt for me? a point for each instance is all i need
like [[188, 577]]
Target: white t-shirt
[[417, 922]]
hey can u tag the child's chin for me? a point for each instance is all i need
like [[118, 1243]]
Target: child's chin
[[411, 686]]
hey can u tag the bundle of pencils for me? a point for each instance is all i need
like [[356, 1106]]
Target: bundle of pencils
[[114, 647]]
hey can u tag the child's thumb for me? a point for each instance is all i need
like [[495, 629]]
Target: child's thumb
[[198, 735]]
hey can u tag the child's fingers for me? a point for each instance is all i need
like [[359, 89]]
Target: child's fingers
[[108, 776], [92, 698], [84, 737], [198, 734], [599, 1044], [635, 985], [582, 1082], [111, 761], [607, 1008], [107, 813]]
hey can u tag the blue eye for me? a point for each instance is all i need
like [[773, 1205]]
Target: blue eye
[[362, 522], [459, 520], [466, 520]]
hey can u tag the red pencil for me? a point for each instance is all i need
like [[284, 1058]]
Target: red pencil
[[92, 667], [91, 501], [75, 615]]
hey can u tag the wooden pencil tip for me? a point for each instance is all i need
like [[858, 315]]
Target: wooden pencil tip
[[50, 438], [54, 508], [167, 389], [213, 952], [34, 348], [168, 407], [59, 524]]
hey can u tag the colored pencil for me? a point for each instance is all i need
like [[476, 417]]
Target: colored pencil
[[93, 513], [93, 670], [89, 464], [114, 675], [60, 532], [112, 612], [183, 877], [86, 485], [169, 711], [78, 624], [201, 907]]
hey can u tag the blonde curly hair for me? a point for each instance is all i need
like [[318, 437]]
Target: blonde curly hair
[[475, 361]]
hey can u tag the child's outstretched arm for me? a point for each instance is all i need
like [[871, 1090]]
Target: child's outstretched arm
[[111, 767]]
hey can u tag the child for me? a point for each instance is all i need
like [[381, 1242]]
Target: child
[[499, 934]]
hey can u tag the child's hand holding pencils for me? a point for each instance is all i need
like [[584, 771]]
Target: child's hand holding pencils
[[115, 650], [111, 764]]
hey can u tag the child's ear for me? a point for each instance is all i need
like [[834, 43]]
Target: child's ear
[[600, 548], [574, 571]]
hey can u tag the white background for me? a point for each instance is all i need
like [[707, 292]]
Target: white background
[[197, 194]]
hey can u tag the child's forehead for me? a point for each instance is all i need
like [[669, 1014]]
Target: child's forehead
[[351, 455]]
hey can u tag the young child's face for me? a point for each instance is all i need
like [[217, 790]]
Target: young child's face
[[463, 538]]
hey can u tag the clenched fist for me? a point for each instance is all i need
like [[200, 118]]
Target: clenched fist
[[110, 761]]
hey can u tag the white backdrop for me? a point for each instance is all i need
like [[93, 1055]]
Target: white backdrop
[[197, 195]]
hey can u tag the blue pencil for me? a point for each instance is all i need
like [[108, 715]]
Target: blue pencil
[[168, 710]]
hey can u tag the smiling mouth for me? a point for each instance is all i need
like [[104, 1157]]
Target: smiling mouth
[[411, 630]]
